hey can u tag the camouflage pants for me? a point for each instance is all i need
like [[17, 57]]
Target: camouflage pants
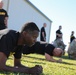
[[58, 43], [72, 50]]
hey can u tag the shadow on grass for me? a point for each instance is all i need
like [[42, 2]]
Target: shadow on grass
[[64, 57], [67, 57], [34, 57], [67, 68], [68, 63], [36, 62], [13, 73]]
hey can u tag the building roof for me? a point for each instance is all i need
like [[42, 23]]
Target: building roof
[[37, 9]]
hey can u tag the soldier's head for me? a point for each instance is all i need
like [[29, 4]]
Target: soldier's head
[[1, 4], [58, 52]]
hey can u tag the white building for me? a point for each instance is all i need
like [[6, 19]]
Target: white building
[[22, 11]]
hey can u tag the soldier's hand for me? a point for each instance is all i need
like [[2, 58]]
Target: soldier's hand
[[37, 70], [60, 60]]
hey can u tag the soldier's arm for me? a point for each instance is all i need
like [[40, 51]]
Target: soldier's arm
[[18, 67], [50, 58]]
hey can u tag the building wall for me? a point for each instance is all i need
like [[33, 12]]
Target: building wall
[[20, 12], [6, 4]]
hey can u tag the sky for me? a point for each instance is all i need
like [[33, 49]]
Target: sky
[[61, 12]]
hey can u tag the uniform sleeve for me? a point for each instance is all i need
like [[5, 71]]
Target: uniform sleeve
[[28, 50], [49, 49], [42, 29], [18, 52], [57, 31], [6, 15], [6, 45]]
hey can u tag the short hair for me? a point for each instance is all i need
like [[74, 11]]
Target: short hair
[[29, 26], [60, 26], [72, 31]]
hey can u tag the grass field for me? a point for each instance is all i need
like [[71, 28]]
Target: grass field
[[68, 67]]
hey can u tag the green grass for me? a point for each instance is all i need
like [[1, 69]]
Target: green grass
[[68, 67]]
